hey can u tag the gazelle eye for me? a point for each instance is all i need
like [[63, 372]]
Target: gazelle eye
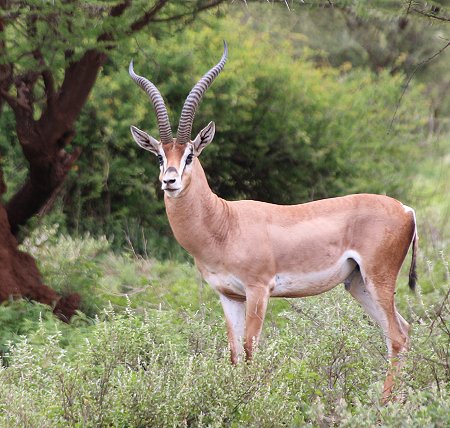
[[160, 160], [189, 158]]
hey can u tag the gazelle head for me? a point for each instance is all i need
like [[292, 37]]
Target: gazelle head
[[177, 155]]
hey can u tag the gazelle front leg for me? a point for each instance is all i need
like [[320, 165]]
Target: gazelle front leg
[[257, 299], [234, 311]]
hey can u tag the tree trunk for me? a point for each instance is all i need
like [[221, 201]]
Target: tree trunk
[[19, 276], [44, 141]]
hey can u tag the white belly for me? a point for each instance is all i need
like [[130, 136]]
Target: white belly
[[288, 284], [301, 284]]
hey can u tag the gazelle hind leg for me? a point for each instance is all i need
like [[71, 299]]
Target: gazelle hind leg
[[234, 311], [394, 326], [405, 325]]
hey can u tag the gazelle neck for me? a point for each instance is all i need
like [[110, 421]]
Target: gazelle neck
[[198, 212]]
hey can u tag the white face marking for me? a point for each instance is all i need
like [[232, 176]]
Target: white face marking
[[189, 150], [174, 188], [301, 284]]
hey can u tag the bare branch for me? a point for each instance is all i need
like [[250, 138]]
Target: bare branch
[[429, 15], [47, 77], [431, 58], [409, 6], [189, 14], [16, 104], [445, 302], [119, 9], [148, 16]]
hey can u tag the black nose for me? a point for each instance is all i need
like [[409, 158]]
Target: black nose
[[170, 181]]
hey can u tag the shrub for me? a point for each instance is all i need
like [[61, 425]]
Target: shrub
[[324, 367]]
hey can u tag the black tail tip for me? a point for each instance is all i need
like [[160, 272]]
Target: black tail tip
[[412, 280]]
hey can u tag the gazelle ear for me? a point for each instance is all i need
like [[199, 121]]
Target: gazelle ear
[[145, 141], [204, 137]]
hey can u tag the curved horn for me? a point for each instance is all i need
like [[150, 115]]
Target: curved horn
[[194, 98], [165, 133]]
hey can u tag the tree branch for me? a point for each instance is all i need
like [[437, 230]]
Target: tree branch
[[16, 104], [43, 141], [68, 161], [409, 6], [115, 12], [429, 15], [120, 8], [147, 17], [49, 83], [47, 77], [184, 15], [425, 61], [79, 78]]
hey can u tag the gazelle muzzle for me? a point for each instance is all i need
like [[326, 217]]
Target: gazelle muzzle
[[171, 179]]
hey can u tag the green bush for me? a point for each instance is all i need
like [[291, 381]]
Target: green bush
[[86, 265], [69, 264], [323, 368], [18, 318]]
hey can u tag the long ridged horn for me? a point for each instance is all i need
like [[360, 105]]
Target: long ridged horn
[[194, 98], [165, 132]]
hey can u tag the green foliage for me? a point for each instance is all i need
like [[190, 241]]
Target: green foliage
[[12, 163], [69, 265], [87, 266], [165, 363], [129, 369], [18, 318]]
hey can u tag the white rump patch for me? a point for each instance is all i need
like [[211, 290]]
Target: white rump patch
[[410, 210]]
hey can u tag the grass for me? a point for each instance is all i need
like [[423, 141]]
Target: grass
[[154, 367]]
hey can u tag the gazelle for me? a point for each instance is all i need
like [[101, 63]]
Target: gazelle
[[249, 251]]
